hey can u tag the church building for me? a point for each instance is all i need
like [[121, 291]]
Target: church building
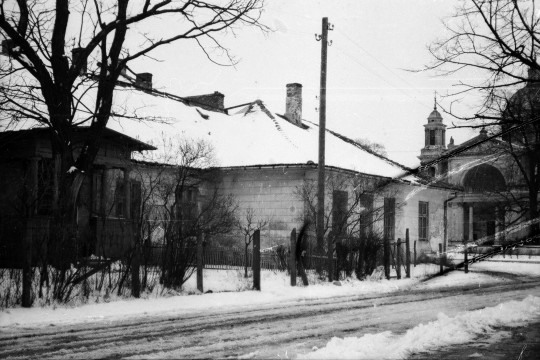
[[488, 206]]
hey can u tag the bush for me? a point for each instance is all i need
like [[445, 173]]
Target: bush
[[369, 250]]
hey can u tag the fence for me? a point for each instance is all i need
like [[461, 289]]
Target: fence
[[220, 258]]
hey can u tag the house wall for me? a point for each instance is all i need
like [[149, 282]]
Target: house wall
[[271, 193], [407, 210], [12, 183]]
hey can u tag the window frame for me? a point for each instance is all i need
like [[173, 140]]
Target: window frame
[[423, 220], [389, 220]]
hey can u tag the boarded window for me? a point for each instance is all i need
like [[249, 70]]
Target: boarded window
[[187, 198], [339, 211], [423, 220], [389, 218], [366, 215]]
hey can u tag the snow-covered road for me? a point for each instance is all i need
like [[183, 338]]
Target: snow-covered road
[[269, 331]]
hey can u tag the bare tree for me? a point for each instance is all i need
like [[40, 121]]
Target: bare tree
[[41, 83], [500, 40], [182, 197], [247, 227], [372, 145], [496, 38], [350, 215]]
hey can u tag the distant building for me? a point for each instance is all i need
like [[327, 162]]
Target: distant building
[[488, 208]]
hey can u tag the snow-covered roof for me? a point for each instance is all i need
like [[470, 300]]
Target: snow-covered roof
[[251, 135]]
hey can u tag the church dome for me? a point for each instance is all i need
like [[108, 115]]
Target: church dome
[[528, 97], [435, 116]]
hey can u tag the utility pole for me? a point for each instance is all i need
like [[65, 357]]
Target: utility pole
[[322, 132]]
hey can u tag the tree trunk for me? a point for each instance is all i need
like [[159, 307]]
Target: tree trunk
[[534, 228], [246, 260]]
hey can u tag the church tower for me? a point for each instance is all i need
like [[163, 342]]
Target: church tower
[[435, 139]]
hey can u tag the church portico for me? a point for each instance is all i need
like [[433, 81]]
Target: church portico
[[476, 219]]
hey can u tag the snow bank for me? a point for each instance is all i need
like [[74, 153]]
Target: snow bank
[[521, 266], [231, 290], [444, 331]]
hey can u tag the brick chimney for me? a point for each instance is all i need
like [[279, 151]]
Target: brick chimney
[[144, 80], [75, 55], [293, 104], [214, 101], [7, 47]]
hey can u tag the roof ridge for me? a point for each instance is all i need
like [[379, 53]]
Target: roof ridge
[[272, 117], [364, 148]]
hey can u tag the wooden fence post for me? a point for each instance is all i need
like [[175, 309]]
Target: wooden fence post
[[386, 257], [407, 254], [398, 258], [330, 265], [414, 253], [136, 272], [27, 266], [440, 259], [292, 258], [200, 265], [465, 257], [360, 265], [471, 238], [257, 260]]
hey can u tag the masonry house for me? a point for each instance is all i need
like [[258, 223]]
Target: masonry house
[[265, 160]]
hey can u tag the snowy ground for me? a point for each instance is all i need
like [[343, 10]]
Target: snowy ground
[[230, 290], [374, 318], [444, 331]]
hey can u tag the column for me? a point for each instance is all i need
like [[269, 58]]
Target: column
[[471, 222], [497, 240]]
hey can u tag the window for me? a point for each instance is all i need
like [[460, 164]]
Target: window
[[96, 192], [339, 211], [366, 216], [389, 218], [187, 198], [432, 137], [120, 198], [135, 199], [45, 188], [423, 220], [484, 178]]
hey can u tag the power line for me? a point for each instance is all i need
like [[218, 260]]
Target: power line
[[383, 79], [375, 58]]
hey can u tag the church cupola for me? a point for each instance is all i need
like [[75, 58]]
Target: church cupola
[[435, 139]]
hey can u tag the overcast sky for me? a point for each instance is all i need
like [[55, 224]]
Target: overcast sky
[[370, 95]]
